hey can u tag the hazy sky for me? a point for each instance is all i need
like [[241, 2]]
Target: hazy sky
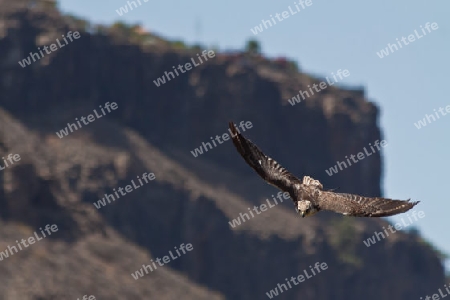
[[325, 37]]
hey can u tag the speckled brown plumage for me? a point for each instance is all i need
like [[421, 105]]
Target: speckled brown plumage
[[308, 194]]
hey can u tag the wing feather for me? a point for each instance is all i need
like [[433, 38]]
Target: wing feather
[[359, 206], [271, 171]]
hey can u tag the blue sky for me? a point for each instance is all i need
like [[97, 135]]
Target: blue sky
[[323, 38]]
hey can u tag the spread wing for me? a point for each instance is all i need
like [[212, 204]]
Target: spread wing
[[271, 171], [359, 206]]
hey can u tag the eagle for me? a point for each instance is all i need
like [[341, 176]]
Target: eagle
[[308, 194]]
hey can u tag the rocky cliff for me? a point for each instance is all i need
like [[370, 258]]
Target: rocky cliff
[[192, 199]]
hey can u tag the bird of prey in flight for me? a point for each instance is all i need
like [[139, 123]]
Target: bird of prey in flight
[[308, 194]]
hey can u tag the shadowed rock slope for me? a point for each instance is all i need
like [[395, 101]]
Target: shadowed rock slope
[[192, 199]]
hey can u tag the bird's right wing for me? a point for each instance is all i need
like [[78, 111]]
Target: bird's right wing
[[271, 171]]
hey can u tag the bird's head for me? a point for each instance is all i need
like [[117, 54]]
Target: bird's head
[[305, 208]]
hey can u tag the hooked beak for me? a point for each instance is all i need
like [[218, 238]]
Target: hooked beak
[[303, 214]]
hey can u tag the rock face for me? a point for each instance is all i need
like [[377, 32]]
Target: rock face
[[192, 199]]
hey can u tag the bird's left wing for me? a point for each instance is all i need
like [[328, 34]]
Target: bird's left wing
[[359, 206], [271, 171]]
